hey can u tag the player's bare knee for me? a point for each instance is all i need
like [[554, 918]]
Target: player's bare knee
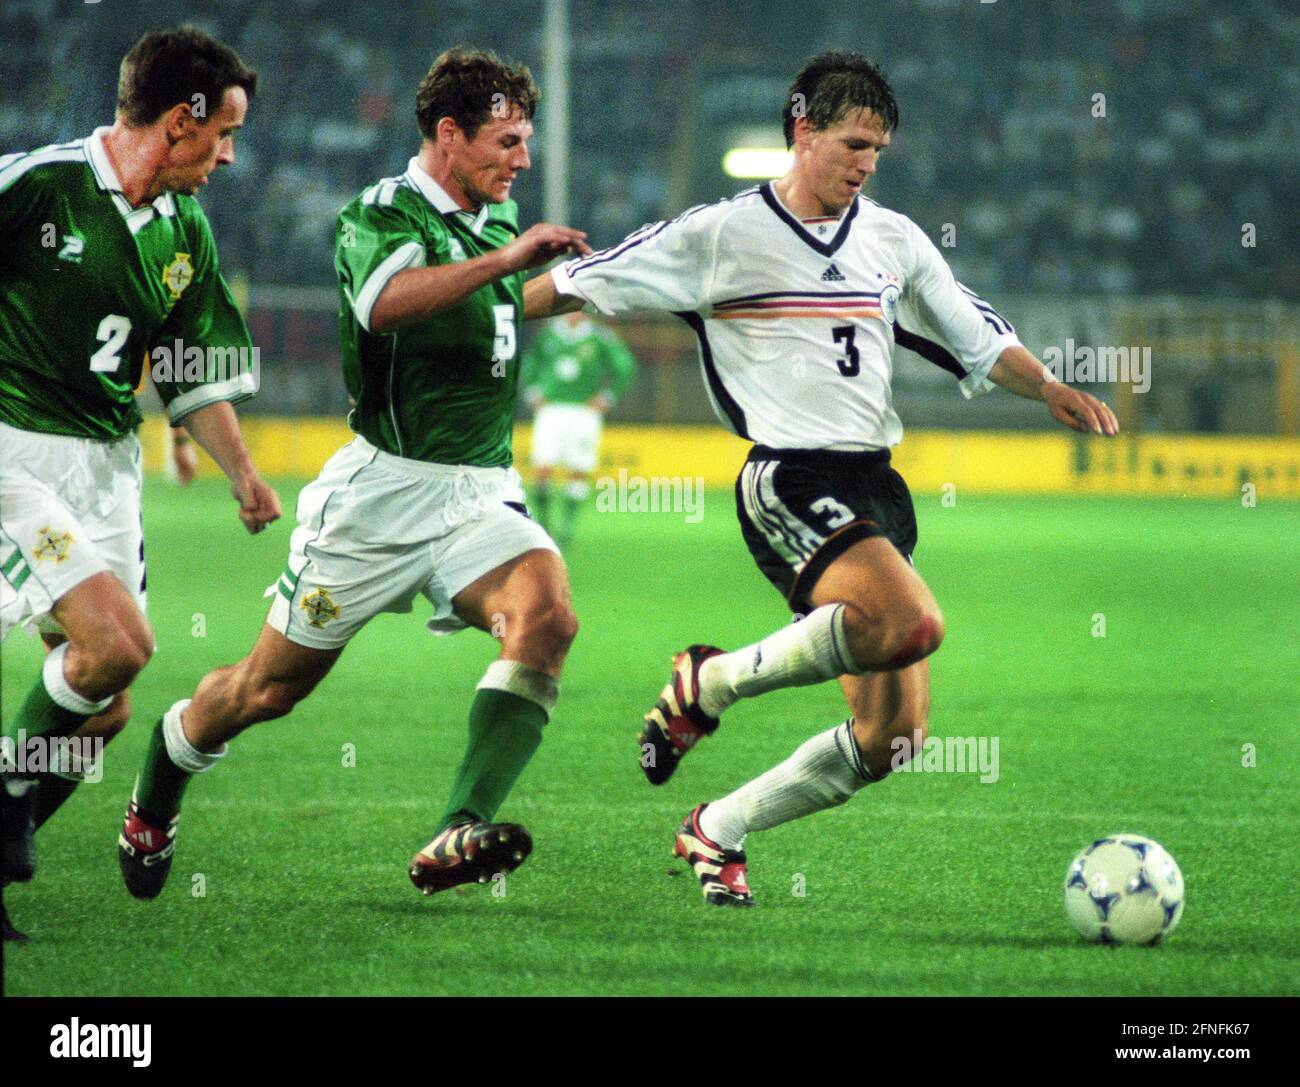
[[107, 665], [912, 635], [551, 627]]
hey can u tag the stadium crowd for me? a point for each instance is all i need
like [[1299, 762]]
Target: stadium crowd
[[1057, 191]]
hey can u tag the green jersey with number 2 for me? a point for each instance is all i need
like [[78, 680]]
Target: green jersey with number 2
[[90, 286], [443, 388]]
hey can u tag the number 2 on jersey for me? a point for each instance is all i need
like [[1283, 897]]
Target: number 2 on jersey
[[850, 366], [112, 333]]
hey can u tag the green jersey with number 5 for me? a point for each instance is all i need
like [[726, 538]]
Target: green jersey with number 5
[[443, 388], [90, 286]]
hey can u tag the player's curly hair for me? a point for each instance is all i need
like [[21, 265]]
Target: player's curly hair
[[834, 84], [169, 67], [467, 85]]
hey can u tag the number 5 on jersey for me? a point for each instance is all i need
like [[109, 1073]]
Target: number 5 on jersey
[[504, 342]]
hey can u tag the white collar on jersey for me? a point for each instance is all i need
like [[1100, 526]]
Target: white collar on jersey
[[437, 196], [106, 178]]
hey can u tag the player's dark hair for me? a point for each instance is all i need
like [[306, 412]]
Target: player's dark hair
[[167, 67], [467, 85], [832, 85]]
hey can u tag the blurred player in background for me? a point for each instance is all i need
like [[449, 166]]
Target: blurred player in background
[[799, 291], [423, 500], [574, 371], [106, 254]]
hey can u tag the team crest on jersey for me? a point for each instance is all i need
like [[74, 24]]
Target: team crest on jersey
[[52, 545], [889, 301], [178, 274], [455, 249], [320, 608]]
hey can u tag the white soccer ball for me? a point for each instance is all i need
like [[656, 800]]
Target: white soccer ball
[[1124, 889]]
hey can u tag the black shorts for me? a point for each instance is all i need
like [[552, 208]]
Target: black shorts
[[800, 509]]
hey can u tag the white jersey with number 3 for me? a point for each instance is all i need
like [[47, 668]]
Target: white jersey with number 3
[[797, 322]]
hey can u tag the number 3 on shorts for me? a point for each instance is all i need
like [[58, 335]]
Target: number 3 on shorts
[[112, 333], [504, 344]]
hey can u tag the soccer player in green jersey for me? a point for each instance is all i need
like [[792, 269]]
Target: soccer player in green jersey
[[574, 371], [107, 259], [423, 500]]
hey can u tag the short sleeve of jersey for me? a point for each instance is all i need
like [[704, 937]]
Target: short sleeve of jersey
[[374, 242], [19, 198], [206, 317], [664, 266], [935, 307]]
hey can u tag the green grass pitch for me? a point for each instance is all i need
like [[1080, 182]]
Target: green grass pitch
[[923, 884]]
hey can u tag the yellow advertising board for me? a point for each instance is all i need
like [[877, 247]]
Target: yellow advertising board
[[1015, 462]]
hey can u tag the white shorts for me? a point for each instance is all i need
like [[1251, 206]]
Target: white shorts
[[69, 509], [375, 530], [566, 436]]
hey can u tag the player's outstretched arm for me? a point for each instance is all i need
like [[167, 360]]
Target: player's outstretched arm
[[216, 428], [541, 299], [1019, 372], [416, 293]]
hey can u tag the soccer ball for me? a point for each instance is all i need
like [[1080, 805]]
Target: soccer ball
[[1124, 889]]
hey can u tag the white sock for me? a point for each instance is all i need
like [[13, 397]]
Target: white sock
[[520, 680], [812, 650], [58, 688], [821, 774], [179, 749]]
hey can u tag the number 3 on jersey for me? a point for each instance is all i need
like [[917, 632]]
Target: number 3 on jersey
[[112, 333], [850, 366]]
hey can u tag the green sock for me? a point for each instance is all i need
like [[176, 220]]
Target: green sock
[[504, 731], [161, 783], [54, 790], [40, 715]]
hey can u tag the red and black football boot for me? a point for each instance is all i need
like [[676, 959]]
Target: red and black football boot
[[721, 871], [471, 852], [144, 851], [676, 723]]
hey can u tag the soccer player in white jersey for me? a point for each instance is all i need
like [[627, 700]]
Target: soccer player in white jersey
[[799, 291]]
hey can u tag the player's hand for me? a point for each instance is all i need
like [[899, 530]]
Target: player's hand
[[259, 505], [542, 243], [185, 460], [1079, 411]]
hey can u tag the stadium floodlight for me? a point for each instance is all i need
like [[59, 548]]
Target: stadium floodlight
[[756, 162], [757, 152]]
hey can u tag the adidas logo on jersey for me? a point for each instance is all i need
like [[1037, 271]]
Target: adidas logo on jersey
[[832, 275]]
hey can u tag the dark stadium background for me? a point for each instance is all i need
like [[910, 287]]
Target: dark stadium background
[[1063, 219], [1121, 614]]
